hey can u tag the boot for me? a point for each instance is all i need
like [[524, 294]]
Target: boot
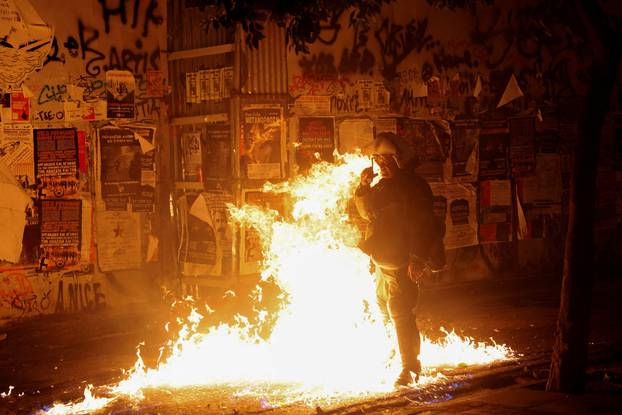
[[408, 341]]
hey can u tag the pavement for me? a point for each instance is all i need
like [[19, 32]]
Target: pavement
[[52, 358]]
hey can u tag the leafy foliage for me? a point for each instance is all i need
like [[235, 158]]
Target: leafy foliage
[[302, 19]]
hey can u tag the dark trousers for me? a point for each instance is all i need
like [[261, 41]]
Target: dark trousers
[[397, 297]]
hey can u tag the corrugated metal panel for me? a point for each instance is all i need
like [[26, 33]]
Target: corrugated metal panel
[[188, 30], [266, 67]]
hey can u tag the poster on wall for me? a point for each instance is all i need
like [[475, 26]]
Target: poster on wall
[[495, 211], [144, 199], [493, 161], [120, 94], [312, 105], [20, 107], [543, 222], [430, 142], [251, 250], [218, 151], [316, 135], [207, 235], [545, 185], [355, 134], [155, 84], [17, 152], [121, 167], [522, 145], [118, 240], [192, 157], [262, 146], [465, 151], [56, 162], [61, 222], [460, 213]]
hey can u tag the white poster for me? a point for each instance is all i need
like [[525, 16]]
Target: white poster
[[118, 240]]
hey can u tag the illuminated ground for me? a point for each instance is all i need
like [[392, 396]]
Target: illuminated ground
[[52, 358]]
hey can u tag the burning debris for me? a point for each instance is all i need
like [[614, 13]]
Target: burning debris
[[328, 341]]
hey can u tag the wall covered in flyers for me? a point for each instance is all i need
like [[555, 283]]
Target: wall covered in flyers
[[49, 122], [262, 148]]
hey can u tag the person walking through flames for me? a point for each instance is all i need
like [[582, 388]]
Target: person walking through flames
[[403, 237]]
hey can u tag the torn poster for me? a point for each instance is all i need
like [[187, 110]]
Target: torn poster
[[251, 247], [56, 162], [316, 137], [118, 240], [262, 146], [465, 151], [207, 235], [61, 222], [460, 215], [495, 211], [522, 150], [27, 40], [218, 151], [144, 199], [121, 167], [120, 94], [13, 205], [355, 133]]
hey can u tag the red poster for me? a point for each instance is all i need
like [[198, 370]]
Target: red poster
[[20, 107]]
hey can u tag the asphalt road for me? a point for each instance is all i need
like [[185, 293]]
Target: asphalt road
[[53, 358]]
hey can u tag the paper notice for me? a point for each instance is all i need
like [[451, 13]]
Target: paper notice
[[459, 213], [355, 134], [312, 105], [118, 240]]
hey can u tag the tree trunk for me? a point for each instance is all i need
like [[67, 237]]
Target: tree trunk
[[570, 349]]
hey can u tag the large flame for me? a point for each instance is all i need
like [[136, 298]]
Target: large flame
[[329, 338]]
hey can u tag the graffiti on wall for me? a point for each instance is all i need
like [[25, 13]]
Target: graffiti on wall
[[25, 293], [85, 42]]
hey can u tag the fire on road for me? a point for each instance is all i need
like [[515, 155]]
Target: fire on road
[[328, 342]]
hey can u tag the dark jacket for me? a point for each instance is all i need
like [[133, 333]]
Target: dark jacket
[[401, 222]]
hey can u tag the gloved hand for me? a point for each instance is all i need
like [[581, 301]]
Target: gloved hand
[[416, 270], [367, 176]]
